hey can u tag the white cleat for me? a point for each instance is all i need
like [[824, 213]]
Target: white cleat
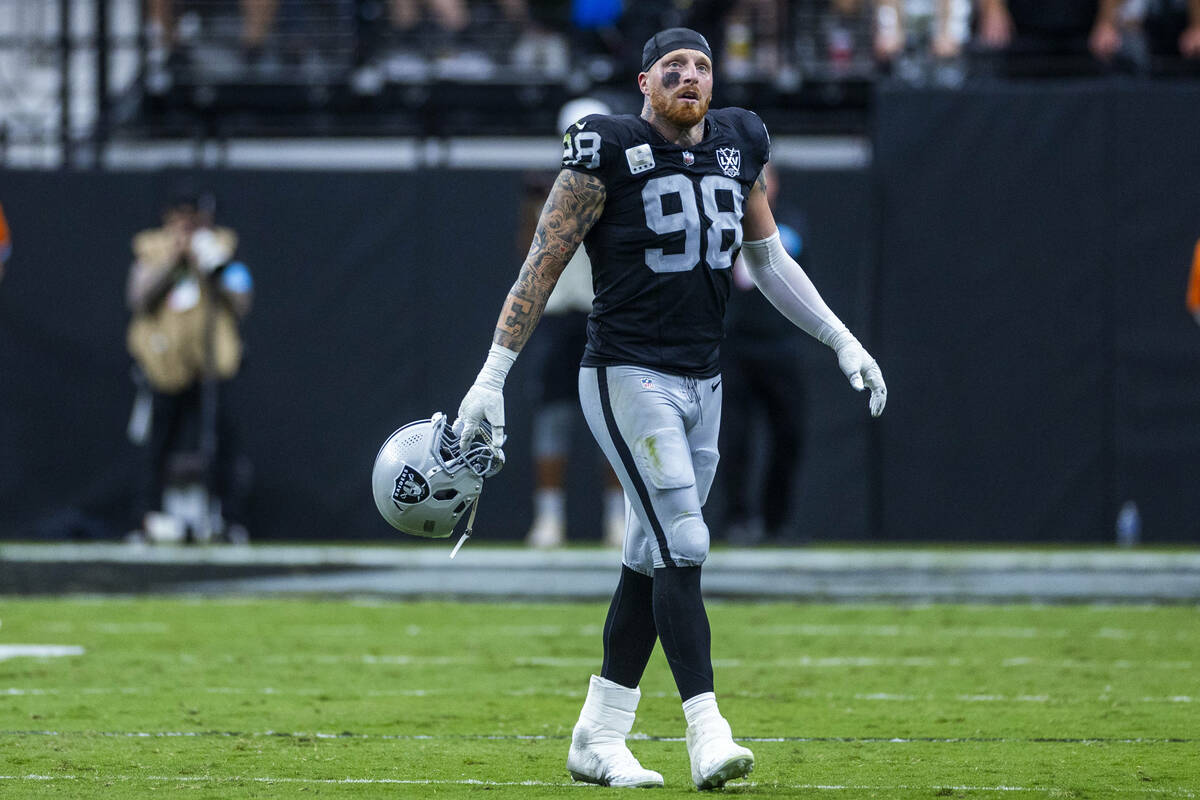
[[715, 757], [546, 534], [598, 751], [600, 756]]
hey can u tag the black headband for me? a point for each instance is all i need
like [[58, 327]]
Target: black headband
[[670, 40]]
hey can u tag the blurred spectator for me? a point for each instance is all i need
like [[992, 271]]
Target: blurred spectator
[[431, 38], [1171, 27], [764, 389], [541, 40], [1040, 37], [556, 357], [842, 26], [187, 295], [163, 16], [449, 15], [745, 34], [596, 37], [257, 19], [1193, 292], [5, 242], [936, 26]]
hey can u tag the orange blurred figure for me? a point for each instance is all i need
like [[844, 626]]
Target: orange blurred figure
[[1193, 292]]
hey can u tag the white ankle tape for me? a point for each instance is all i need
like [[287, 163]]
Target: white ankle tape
[[700, 707], [613, 695]]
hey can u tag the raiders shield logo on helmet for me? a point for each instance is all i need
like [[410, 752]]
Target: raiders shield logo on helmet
[[729, 159], [411, 487]]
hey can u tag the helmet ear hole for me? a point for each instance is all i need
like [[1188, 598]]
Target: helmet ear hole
[[445, 494], [458, 509]]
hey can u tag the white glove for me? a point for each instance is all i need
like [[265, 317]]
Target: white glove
[[208, 250], [485, 398], [857, 365]]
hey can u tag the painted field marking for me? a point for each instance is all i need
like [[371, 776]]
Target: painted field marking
[[963, 631], [818, 662], [540, 691], [643, 737], [1053, 790], [804, 661], [263, 779], [8, 651], [128, 628]]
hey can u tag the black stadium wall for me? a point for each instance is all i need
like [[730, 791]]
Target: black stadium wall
[[1029, 311], [1016, 258]]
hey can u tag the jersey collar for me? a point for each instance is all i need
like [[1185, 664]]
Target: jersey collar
[[709, 128]]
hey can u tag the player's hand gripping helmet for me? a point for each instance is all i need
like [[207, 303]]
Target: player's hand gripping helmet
[[424, 481]]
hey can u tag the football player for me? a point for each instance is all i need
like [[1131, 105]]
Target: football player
[[663, 201]]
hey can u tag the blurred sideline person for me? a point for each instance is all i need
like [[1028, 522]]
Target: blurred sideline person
[[940, 26], [663, 202], [187, 296], [258, 17], [5, 242], [764, 383], [1193, 291], [564, 323], [1034, 31], [1171, 27]]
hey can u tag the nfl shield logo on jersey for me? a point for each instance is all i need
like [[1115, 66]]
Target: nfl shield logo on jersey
[[688, 158], [730, 160]]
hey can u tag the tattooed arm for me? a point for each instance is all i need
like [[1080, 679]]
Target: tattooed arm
[[758, 222], [575, 203]]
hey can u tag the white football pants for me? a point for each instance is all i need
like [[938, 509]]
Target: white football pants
[[659, 432]]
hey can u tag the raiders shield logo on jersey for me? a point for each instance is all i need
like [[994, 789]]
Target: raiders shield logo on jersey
[[730, 161], [411, 487]]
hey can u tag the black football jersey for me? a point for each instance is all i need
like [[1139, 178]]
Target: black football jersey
[[662, 249]]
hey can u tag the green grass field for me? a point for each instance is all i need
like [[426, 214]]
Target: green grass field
[[249, 698]]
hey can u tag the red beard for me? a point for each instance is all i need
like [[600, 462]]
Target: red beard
[[678, 113]]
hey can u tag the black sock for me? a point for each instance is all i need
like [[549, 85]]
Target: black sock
[[629, 631], [683, 628]]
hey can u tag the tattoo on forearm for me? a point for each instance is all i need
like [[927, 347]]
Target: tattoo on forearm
[[761, 181], [574, 205]]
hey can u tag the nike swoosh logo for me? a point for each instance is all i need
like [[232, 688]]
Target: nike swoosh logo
[[715, 384], [580, 124]]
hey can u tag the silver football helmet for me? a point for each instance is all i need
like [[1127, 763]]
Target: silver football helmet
[[424, 480]]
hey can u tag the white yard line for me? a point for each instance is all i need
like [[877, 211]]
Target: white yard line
[[643, 737], [804, 661], [8, 651], [765, 631], [18, 691], [963, 631], [1052, 790]]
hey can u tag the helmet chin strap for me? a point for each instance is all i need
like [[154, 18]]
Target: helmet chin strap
[[470, 525]]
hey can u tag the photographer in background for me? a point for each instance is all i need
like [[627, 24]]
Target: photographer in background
[[187, 295]]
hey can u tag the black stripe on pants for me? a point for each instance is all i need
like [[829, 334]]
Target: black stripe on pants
[[635, 477]]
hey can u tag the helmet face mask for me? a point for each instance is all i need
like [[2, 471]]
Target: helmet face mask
[[423, 481]]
